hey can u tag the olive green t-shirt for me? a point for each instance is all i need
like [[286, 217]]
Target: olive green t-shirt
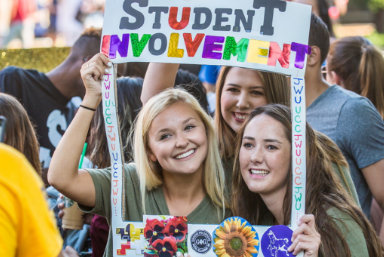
[[205, 213]]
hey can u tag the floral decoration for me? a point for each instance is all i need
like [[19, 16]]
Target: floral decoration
[[165, 235], [154, 230], [235, 237]]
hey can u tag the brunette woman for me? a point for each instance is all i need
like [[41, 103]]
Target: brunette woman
[[262, 186]]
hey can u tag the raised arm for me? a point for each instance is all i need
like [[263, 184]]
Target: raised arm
[[63, 172], [159, 76]]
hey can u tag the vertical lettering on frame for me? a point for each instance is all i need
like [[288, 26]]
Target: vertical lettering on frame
[[298, 149]]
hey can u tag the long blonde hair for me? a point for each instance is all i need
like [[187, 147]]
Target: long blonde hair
[[150, 174], [277, 90]]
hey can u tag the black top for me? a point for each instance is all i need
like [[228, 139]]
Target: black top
[[49, 110]]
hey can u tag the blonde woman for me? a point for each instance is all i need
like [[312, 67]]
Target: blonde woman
[[178, 168]]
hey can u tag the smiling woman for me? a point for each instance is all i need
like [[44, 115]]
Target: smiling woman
[[177, 168], [262, 186]]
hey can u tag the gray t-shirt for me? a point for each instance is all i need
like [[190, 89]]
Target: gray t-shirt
[[354, 124]]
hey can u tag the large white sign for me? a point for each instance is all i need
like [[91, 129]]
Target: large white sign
[[269, 35]]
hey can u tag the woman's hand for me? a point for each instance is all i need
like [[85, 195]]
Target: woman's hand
[[305, 237], [92, 73]]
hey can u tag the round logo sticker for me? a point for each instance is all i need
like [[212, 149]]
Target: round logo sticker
[[276, 241], [201, 241]]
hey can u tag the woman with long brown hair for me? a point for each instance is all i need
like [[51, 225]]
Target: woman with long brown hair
[[262, 186], [20, 133]]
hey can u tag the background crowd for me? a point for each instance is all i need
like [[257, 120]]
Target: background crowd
[[43, 110]]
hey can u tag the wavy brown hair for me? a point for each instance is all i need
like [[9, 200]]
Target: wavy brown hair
[[277, 90], [360, 65], [323, 191], [20, 132]]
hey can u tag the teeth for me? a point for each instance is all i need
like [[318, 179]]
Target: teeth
[[240, 116], [260, 172], [184, 155]]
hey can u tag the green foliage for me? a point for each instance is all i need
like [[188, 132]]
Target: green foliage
[[377, 39], [376, 5]]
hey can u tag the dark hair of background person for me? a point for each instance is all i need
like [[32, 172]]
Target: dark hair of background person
[[323, 7], [138, 69], [20, 133], [360, 66], [192, 84], [319, 36], [129, 105], [323, 191], [87, 44], [277, 90]]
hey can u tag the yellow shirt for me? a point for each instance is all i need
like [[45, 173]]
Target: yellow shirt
[[27, 227]]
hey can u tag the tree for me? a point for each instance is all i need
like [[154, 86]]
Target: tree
[[377, 7]]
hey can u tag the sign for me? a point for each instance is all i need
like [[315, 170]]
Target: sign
[[268, 35]]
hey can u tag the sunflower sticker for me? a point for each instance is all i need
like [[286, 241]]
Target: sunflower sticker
[[235, 237]]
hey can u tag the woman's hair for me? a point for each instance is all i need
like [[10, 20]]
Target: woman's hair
[[129, 104], [360, 65], [20, 133], [277, 90], [323, 191], [150, 172]]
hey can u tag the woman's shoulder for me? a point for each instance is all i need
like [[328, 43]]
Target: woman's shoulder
[[351, 231]]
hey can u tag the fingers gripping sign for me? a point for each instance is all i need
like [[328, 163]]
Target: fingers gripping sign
[[305, 237], [92, 73]]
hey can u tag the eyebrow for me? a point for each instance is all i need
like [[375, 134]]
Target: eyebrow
[[238, 86], [167, 129], [265, 140]]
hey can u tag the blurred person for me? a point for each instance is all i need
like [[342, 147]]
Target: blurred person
[[349, 119], [20, 132], [27, 227], [22, 23], [357, 65], [320, 8], [5, 17], [67, 24], [208, 76], [46, 97]]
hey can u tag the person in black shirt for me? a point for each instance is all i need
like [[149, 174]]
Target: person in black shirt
[[47, 97]]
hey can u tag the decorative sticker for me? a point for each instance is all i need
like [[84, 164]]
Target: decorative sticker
[[235, 237], [165, 235], [276, 241]]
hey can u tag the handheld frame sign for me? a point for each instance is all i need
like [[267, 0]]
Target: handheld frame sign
[[268, 35]]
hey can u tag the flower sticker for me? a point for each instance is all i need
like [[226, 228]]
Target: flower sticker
[[165, 235], [235, 237], [153, 230], [177, 228], [165, 247]]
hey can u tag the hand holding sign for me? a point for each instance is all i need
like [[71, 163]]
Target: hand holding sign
[[305, 237], [92, 73]]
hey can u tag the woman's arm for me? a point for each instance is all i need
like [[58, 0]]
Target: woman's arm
[[63, 172], [159, 76]]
